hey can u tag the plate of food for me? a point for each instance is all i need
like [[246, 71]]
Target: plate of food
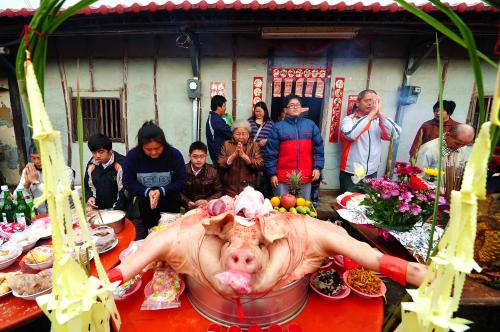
[[4, 285], [9, 254], [102, 250], [39, 258], [25, 239], [329, 285], [82, 258], [326, 263], [6, 230], [128, 288], [364, 283], [104, 237], [29, 286]]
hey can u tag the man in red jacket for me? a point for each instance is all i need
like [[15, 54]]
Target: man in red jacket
[[295, 144]]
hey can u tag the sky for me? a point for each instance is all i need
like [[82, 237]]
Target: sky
[[18, 4]]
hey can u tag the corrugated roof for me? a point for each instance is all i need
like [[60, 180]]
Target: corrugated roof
[[269, 5]]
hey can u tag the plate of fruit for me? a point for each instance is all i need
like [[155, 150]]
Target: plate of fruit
[[292, 204]]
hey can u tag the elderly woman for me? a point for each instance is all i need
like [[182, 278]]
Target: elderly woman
[[240, 159]]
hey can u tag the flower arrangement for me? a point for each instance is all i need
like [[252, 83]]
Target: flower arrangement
[[432, 173], [399, 205]]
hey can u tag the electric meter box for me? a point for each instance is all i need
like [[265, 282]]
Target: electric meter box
[[408, 94], [194, 88]]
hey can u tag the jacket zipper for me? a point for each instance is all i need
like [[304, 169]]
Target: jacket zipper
[[297, 145]]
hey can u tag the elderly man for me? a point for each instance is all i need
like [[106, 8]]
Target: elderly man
[[362, 133], [31, 181], [429, 130], [455, 148], [203, 183]]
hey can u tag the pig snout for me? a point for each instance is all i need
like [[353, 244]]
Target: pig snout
[[242, 260]]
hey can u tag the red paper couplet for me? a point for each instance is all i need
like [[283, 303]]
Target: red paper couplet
[[337, 95]]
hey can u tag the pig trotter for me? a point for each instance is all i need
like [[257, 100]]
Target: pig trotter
[[394, 268]]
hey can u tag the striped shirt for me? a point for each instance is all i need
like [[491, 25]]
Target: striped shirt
[[264, 132]]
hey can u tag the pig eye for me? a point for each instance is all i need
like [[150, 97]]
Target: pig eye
[[261, 245]]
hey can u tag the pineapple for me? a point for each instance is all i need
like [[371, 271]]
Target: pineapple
[[295, 185]]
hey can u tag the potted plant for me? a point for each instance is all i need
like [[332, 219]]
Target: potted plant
[[402, 203]]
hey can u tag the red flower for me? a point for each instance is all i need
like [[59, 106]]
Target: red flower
[[417, 184]]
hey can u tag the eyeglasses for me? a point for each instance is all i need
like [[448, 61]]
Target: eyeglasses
[[293, 106]]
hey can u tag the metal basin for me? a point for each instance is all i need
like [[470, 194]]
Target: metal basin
[[112, 218], [276, 307]]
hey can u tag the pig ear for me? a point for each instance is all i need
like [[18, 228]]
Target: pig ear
[[215, 225], [274, 227]]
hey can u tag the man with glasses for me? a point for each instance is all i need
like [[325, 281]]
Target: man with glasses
[[203, 183], [456, 149], [295, 144], [362, 133]]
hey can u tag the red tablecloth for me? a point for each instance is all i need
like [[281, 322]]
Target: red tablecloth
[[15, 312], [350, 314]]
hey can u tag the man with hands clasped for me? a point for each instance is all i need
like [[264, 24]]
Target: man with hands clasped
[[361, 134]]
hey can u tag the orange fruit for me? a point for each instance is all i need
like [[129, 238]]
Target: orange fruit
[[301, 202], [275, 201]]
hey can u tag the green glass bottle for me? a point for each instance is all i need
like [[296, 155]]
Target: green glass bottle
[[23, 211], [29, 201], [9, 207]]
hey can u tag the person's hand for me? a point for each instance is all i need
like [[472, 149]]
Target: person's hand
[[191, 205], [91, 203], [262, 143], [380, 114], [316, 174], [31, 175], [274, 181], [233, 156], [200, 202], [243, 155], [154, 197]]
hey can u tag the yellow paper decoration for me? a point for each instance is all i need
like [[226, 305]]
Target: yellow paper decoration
[[77, 302], [439, 295]]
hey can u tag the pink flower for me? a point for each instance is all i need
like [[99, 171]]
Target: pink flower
[[441, 200], [421, 197], [406, 196], [415, 209], [404, 207]]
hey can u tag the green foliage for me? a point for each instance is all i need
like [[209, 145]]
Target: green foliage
[[35, 40]]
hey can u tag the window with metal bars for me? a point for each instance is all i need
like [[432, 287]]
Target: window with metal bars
[[473, 115], [100, 116]]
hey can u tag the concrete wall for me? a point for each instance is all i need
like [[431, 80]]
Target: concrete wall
[[175, 108], [9, 162]]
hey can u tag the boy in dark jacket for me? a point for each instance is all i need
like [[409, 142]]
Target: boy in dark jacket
[[217, 130], [103, 176]]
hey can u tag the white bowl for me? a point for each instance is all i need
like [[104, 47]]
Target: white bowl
[[41, 266], [29, 246], [17, 252], [32, 296]]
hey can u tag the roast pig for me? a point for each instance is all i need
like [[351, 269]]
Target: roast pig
[[268, 250]]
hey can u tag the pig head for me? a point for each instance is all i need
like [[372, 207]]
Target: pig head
[[267, 251]]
